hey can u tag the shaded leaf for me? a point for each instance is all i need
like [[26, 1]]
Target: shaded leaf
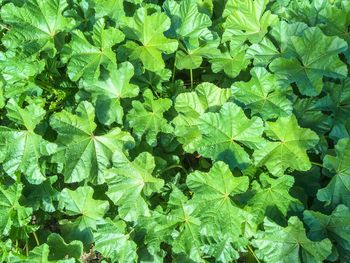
[[190, 106], [334, 226], [262, 95], [247, 19], [36, 25], [13, 214], [279, 244], [128, 183], [149, 31], [79, 202], [316, 55], [59, 249], [23, 149], [85, 155], [287, 146], [223, 132], [147, 118], [108, 93], [112, 242], [338, 189], [85, 56]]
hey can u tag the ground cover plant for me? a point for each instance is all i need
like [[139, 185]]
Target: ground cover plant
[[175, 131]]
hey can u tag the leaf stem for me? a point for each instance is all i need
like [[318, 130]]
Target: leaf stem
[[4, 26], [191, 77], [252, 252], [27, 250], [317, 164], [132, 230], [36, 239], [174, 166], [174, 70], [46, 86]]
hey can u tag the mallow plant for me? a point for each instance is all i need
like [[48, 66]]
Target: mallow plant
[[174, 131]]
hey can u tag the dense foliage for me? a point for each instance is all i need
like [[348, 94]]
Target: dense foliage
[[175, 131]]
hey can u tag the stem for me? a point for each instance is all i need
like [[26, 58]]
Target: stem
[[132, 230], [16, 245], [36, 239], [252, 252], [173, 167], [174, 69], [27, 250], [46, 86], [4, 26], [317, 164], [191, 77]]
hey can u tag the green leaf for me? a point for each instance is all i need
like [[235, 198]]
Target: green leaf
[[223, 132], [112, 242], [337, 191], [280, 35], [114, 9], [223, 247], [156, 81], [192, 58], [108, 93], [29, 117], [216, 186], [206, 6], [5, 250], [190, 26], [270, 194], [59, 249], [289, 244], [262, 95], [13, 213], [337, 100], [287, 146], [247, 19], [72, 231], [335, 21], [84, 154], [214, 191], [231, 61], [128, 183], [147, 118], [335, 226], [190, 106], [185, 216], [42, 195], [22, 149], [310, 115], [148, 30], [35, 26], [39, 254], [316, 55], [262, 53], [79, 202], [179, 225], [19, 72], [187, 22], [306, 11], [86, 55]]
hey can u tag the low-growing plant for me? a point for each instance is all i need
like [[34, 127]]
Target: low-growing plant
[[175, 131]]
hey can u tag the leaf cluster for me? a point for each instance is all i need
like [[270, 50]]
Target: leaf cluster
[[174, 131]]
